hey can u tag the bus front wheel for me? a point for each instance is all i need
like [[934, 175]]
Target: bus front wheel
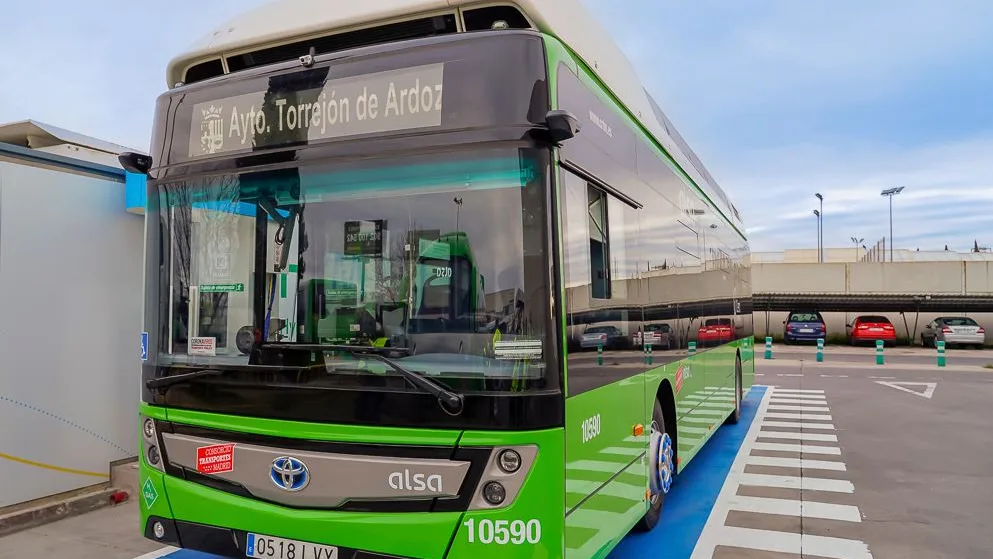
[[661, 469]]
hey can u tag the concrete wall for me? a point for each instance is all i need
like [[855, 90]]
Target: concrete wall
[[940, 278], [70, 290], [948, 278]]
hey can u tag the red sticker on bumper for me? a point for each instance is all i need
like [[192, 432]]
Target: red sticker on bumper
[[679, 379], [215, 459]]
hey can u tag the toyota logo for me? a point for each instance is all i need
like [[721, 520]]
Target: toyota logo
[[289, 474]]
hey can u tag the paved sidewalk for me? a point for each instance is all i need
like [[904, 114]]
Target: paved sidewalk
[[915, 351], [868, 364], [108, 533]]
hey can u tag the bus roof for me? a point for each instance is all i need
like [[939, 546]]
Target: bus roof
[[287, 21]]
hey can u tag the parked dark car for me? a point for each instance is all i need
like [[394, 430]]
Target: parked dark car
[[804, 326]]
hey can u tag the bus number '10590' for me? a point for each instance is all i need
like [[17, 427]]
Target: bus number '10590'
[[502, 532], [591, 428]]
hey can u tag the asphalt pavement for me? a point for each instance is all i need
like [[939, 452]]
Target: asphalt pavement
[[915, 442]]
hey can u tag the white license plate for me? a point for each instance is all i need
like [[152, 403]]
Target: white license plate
[[268, 547], [875, 329], [807, 330]]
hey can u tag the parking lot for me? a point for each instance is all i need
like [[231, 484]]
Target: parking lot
[[841, 459]]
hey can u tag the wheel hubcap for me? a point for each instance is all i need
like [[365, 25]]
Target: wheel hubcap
[[661, 452]]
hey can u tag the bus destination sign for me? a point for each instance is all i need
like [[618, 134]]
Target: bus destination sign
[[371, 103], [364, 238]]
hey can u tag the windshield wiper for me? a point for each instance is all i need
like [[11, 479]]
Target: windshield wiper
[[451, 402], [164, 382]]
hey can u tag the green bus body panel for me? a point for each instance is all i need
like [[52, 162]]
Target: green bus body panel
[[557, 53], [590, 464], [606, 476], [314, 431], [540, 498], [594, 529], [420, 535]]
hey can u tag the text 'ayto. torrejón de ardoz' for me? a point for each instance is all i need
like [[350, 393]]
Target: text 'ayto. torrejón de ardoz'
[[370, 103]]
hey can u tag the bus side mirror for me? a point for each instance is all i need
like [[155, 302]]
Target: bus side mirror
[[562, 125], [135, 162]]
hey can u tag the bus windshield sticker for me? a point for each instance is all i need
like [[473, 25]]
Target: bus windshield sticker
[[371, 103], [203, 346]]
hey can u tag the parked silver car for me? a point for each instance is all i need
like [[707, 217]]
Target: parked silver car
[[953, 330]]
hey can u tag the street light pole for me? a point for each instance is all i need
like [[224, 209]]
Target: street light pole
[[857, 242], [891, 192], [818, 215], [820, 229]]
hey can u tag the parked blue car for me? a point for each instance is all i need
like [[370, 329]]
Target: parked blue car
[[804, 326]]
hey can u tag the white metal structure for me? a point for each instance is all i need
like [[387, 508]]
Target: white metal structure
[[289, 21]]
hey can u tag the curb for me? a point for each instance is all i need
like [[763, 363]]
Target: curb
[[869, 364], [52, 511]]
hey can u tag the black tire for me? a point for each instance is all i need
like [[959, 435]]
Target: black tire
[[654, 513], [736, 414]]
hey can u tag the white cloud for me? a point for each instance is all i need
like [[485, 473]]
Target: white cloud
[[97, 67], [733, 75], [948, 196]]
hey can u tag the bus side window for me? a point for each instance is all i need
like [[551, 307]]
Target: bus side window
[[599, 243]]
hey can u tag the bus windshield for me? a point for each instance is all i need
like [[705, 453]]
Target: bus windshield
[[440, 257]]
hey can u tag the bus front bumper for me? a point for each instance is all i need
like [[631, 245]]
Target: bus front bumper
[[225, 542]]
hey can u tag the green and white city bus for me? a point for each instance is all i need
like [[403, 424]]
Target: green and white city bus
[[401, 256]]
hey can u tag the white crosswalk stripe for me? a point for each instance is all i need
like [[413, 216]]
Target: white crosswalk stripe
[[799, 425], [801, 416], [801, 463], [778, 474], [824, 437], [784, 407]]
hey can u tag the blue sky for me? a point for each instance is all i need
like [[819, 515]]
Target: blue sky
[[779, 98]]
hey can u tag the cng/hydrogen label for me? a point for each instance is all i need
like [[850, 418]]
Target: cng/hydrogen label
[[215, 459], [149, 493]]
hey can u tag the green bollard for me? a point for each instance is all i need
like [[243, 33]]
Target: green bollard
[[941, 353], [649, 356], [692, 348], [879, 352], [768, 347], [599, 354], [820, 350]]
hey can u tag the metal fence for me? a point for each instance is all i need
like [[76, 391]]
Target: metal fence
[[877, 253]]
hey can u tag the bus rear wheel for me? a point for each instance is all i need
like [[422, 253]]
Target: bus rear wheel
[[661, 469]]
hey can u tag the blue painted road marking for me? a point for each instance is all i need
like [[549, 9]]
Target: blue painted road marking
[[693, 493]]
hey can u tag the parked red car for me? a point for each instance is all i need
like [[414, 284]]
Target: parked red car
[[714, 332], [870, 328]]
